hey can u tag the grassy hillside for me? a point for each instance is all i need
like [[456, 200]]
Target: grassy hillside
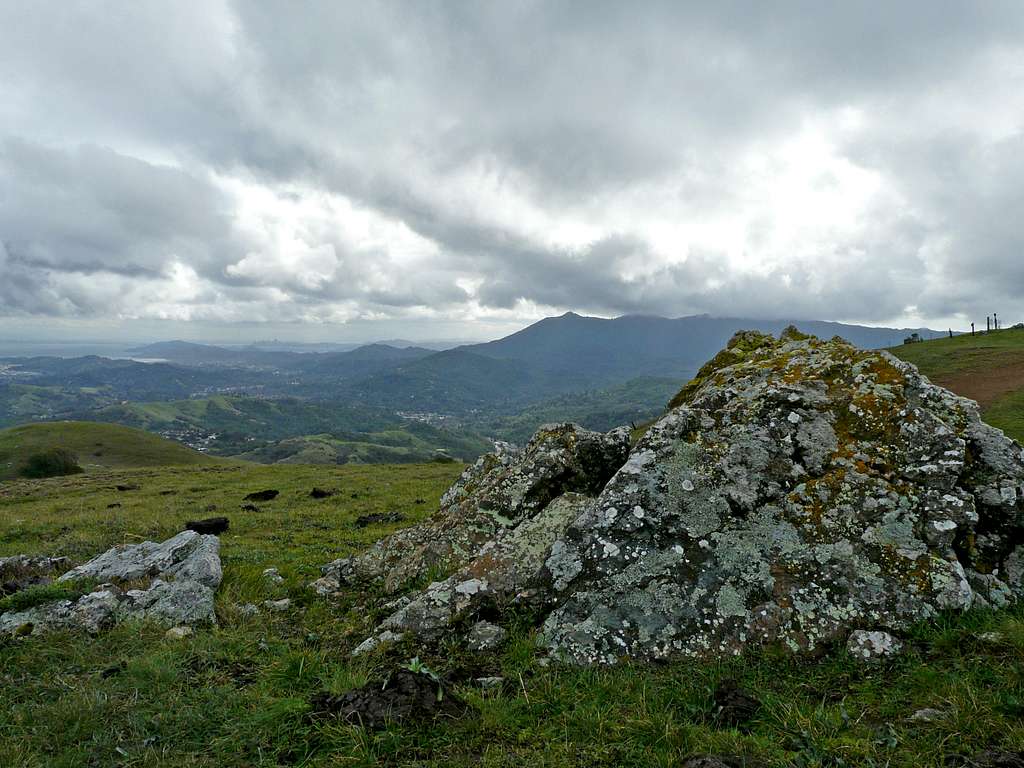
[[988, 368], [98, 446], [21, 403], [237, 421], [415, 443], [238, 695], [261, 429]]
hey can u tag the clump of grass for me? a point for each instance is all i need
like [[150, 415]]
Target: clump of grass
[[41, 594]]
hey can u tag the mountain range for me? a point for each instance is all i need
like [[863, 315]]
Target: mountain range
[[554, 356], [599, 370]]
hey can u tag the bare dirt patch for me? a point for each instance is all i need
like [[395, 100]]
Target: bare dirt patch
[[404, 696], [986, 385]]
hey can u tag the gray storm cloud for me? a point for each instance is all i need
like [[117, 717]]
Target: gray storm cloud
[[413, 162]]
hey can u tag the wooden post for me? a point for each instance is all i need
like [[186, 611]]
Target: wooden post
[[995, 321], [972, 329]]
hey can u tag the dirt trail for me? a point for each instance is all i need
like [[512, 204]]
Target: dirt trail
[[987, 385]]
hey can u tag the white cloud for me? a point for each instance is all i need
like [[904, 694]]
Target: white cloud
[[486, 164]]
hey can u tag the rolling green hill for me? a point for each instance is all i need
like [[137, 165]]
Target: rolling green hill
[[413, 442], [238, 421], [988, 367], [295, 431], [23, 403], [98, 446]]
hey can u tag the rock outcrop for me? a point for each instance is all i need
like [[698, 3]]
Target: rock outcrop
[[172, 582], [796, 490], [495, 497]]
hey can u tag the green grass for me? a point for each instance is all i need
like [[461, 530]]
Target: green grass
[[393, 446], [1007, 413], [973, 360], [943, 357], [98, 446], [237, 695]]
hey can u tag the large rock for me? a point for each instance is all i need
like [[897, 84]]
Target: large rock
[[493, 496], [800, 490], [796, 490], [189, 556], [172, 582]]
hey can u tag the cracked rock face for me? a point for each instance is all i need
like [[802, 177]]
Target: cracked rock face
[[493, 497], [175, 584], [797, 490]]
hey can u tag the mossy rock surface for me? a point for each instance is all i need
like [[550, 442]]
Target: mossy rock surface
[[798, 490]]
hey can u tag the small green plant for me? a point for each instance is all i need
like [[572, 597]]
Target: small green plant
[[53, 462], [417, 667]]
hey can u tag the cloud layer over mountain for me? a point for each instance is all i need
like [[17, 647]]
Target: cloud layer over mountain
[[220, 162]]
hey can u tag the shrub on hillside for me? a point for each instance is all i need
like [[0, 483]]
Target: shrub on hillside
[[53, 462]]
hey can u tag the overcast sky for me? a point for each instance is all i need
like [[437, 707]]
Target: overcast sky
[[458, 169]]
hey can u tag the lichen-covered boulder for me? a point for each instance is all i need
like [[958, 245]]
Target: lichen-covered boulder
[[508, 570], [797, 490], [803, 489], [172, 582], [189, 556], [495, 495]]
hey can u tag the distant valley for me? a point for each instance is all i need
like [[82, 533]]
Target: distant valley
[[382, 402]]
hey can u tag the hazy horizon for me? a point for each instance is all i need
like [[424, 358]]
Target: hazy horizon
[[119, 346]]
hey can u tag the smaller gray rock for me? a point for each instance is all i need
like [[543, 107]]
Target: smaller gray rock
[[188, 556], [387, 636], [993, 638], [927, 715], [872, 646], [277, 605], [179, 633], [720, 761], [185, 572], [93, 613], [174, 603], [247, 610], [19, 572], [485, 636], [273, 576], [326, 585]]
